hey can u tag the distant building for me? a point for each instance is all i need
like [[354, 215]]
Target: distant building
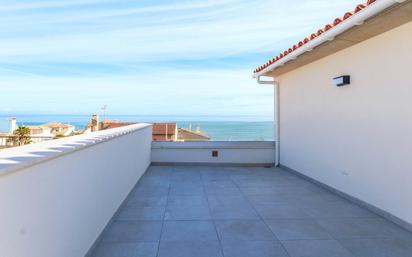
[[5, 140], [52, 130], [38, 133], [184, 134], [161, 131], [164, 132], [59, 129], [93, 125], [96, 125], [13, 125]]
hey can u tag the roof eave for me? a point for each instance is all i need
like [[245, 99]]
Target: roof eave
[[353, 21]]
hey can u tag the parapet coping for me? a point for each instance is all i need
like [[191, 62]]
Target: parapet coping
[[17, 158]]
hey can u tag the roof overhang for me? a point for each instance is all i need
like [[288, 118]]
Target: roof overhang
[[379, 17]]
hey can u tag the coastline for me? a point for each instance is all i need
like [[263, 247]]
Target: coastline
[[219, 128]]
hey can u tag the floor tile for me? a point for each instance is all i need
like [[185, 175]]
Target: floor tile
[[154, 182], [253, 249], [136, 212], [273, 199], [316, 248], [190, 249], [272, 190], [133, 231], [341, 209], [187, 200], [228, 199], [145, 201], [230, 212], [231, 207], [187, 212], [259, 183], [309, 220], [219, 183], [232, 191], [378, 247], [152, 191], [361, 228], [293, 229], [280, 211], [141, 249], [187, 190], [189, 231], [243, 230]]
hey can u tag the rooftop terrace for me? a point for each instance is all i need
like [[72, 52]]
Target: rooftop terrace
[[98, 195], [188, 211]]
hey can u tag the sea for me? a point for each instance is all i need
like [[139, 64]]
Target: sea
[[218, 128]]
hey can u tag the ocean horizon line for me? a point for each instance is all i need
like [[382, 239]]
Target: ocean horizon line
[[148, 117]]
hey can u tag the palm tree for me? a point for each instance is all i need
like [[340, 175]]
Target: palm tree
[[23, 135]]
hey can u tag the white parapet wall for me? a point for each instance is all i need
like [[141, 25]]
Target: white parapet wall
[[56, 197], [261, 153]]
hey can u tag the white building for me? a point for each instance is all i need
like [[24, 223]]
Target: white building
[[38, 133], [58, 129], [355, 137]]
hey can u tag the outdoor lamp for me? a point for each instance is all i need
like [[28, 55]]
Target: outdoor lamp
[[342, 80]]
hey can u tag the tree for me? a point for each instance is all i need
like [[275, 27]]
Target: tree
[[23, 135]]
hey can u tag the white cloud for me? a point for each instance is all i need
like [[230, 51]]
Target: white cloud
[[195, 29], [168, 57]]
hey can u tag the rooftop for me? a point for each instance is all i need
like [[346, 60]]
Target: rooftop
[[56, 125], [164, 128], [363, 22], [252, 212], [233, 207]]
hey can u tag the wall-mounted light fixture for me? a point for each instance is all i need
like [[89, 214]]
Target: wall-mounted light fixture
[[342, 80]]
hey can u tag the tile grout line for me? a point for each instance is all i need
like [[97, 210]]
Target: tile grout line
[[312, 218], [337, 239], [211, 216], [261, 218], [164, 215]]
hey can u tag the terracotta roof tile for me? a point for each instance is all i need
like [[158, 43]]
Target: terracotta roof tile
[[116, 124], [337, 21], [359, 7], [327, 27], [347, 15]]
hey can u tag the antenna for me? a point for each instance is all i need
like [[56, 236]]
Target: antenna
[[104, 108]]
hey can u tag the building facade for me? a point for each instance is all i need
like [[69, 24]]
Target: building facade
[[357, 137]]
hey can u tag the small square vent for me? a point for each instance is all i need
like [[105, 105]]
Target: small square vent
[[215, 153]]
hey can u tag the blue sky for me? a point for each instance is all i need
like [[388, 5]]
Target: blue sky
[[148, 57]]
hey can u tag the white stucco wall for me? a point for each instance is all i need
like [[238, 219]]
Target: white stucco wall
[[356, 138], [229, 152], [57, 196]]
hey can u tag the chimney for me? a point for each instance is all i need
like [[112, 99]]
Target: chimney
[[12, 125], [95, 122]]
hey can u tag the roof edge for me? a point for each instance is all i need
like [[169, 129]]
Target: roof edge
[[307, 45]]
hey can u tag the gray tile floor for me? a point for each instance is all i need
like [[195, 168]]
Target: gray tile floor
[[244, 212]]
